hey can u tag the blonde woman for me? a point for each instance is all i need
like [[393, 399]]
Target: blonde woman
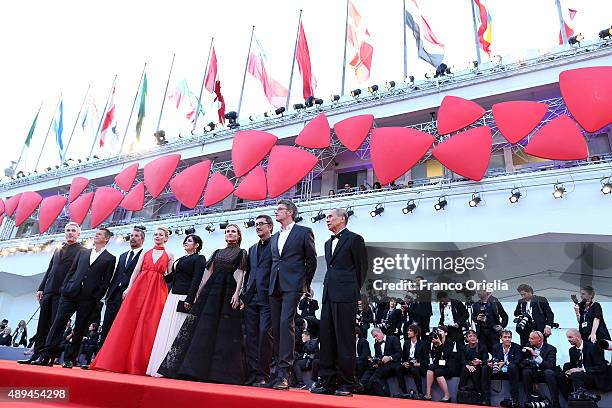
[[128, 345]]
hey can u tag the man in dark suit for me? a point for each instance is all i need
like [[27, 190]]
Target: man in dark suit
[[294, 262], [474, 359], [422, 310], [541, 316], [363, 352], [414, 360], [454, 315], [391, 323], [121, 279], [587, 366], [387, 358], [490, 318], [308, 304], [49, 290], [347, 264], [257, 305], [507, 356], [539, 364], [84, 285]]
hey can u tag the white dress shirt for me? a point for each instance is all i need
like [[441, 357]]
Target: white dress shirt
[[94, 254], [282, 237], [334, 242], [448, 315], [412, 348]]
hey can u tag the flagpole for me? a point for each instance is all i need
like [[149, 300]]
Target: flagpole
[[132, 111], [165, 92], [345, 39], [475, 31], [297, 36], [48, 130], [405, 53], [76, 121], [93, 144], [195, 121], [246, 66], [561, 22], [24, 145]]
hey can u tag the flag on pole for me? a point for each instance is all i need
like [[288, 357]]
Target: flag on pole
[[569, 28], [58, 126], [483, 18], [302, 56], [358, 38], [431, 50], [141, 109], [275, 92], [213, 85], [109, 126], [31, 131], [184, 100]]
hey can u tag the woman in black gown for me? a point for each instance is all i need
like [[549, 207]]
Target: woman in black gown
[[209, 344]]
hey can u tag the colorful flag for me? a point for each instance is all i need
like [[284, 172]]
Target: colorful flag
[[302, 56], [141, 109], [184, 100], [483, 19], [31, 131], [569, 31], [109, 126], [58, 126], [275, 92], [430, 49], [213, 85], [358, 39]]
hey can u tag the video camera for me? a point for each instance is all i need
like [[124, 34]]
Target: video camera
[[605, 344]]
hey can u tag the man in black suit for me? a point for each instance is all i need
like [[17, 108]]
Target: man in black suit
[[347, 264], [587, 366], [257, 305], [85, 284], [387, 358], [121, 279], [536, 309], [506, 357], [294, 262], [363, 353], [422, 310], [454, 315], [308, 304], [49, 290], [474, 359], [490, 318], [391, 323], [414, 360], [539, 364]]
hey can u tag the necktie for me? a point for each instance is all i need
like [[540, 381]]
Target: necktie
[[130, 257], [336, 236]]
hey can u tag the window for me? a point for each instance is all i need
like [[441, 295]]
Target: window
[[352, 178]]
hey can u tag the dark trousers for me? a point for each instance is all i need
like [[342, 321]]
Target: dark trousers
[[583, 380], [337, 339], [112, 308], [455, 334], [511, 375], [67, 307], [531, 376], [361, 365], [478, 378], [488, 337], [374, 379], [48, 310], [258, 325], [283, 306], [416, 373], [302, 365], [423, 323]]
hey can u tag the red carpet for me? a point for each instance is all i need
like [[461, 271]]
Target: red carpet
[[103, 389]]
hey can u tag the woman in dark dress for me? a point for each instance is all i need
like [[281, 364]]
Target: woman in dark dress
[[209, 344], [590, 317]]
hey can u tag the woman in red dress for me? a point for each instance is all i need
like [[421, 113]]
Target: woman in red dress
[[128, 345]]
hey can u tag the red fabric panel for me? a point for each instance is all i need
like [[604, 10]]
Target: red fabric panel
[[27, 204], [79, 207], [1, 206], [559, 139], [316, 133], [456, 113], [587, 92], [125, 179], [467, 153], [76, 187], [287, 165], [105, 201], [219, 187], [11, 205], [158, 172], [50, 209], [253, 186], [134, 200], [188, 185], [395, 150], [354, 130], [249, 148], [515, 119]]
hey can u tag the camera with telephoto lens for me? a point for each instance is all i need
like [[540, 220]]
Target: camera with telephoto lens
[[376, 361], [524, 323], [412, 362], [536, 400], [581, 394], [434, 334], [495, 365], [604, 344]]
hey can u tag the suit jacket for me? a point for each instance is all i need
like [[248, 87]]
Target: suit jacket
[[392, 349], [420, 353], [121, 277], [459, 311], [89, 282], [540, 312], [549, 357], [346, 268], [593, 362], [514, 354], [363, 348], [58, 267], [308, 307], [496, 315], [393, 322], [294, 269], [481, 354], [257, 278]]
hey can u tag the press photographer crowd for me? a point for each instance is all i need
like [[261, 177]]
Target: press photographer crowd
[[249, 317]]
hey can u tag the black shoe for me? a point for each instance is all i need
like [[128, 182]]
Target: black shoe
[[28, 361], [344, 391], [359, 388], [324, 390], [281, 384], [68, 364], [43, 361], [85, 367]]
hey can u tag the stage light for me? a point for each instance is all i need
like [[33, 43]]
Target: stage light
[[279, 111], [309, 101], [606, 185], [250, 223], [190, 230], [390, 85], [441, 204], [474, 65], [318, 102], [298, 106], [232, 117], [320, 216], [410, 206], [442, 70], [49, 168], [210, 127], [411, 79], [355, 92], [576, 39], [373, 89], [210, 228], [334, 98], [559, 190], [350, 212], [515, 195], [223, 225], [378, 210], [605, 33], [475, 200], [178, 231], [497, 59], [160, 137], [298, 219]]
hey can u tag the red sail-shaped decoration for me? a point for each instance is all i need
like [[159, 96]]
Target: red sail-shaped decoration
[[287, 165], [316, 134], [158, 172], [456, 113], [249, 148], [467, 153], [125, 179], [253, 186], [134, 200], [50, 209], [587, 93], [219, 187], [188, 185], [27, 204], [77, 187], [79, 207], [104, 203], [515, 119], [1, 206], [11, 205], [394, 150], [354, 130], [559, 139]]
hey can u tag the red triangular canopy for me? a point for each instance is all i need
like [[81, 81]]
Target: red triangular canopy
[[125, 179], [253, 186], [158, 172], [249, 148], [467, 153], [316, 133], [134, 200], [559, 139], [79, 207], [1, 206], [11, 204], [104, 203], [219, 187], [50, 209], [516, 119], [354, 130], [287, 165], [76, 187], [27, 204], [456, 113], [188, 185]]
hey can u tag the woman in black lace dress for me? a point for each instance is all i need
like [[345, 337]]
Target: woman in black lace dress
[[209, 345]]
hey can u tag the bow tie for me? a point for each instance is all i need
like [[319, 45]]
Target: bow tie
[[336, 236]]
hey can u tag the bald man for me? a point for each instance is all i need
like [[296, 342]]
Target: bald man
[[587, 366]]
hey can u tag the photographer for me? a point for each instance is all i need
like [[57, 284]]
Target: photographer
[[414, 360], [587, 366], [532, 313], [391, 324], [440, 356], [421, 309], [490, 318], [473, 365], [308, 305], [539, 364], [454, 315], [364, 317], [590, 317], [382, 305], [310, 352], [387, 356], [504, 366]]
